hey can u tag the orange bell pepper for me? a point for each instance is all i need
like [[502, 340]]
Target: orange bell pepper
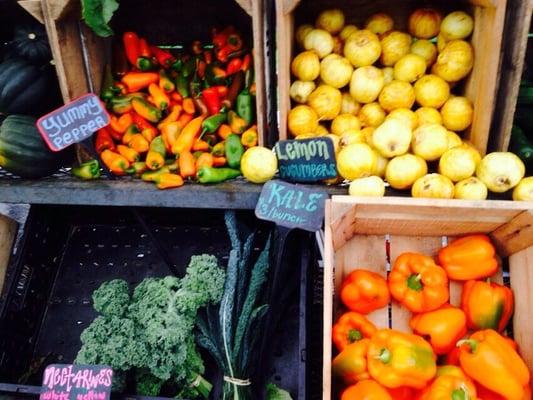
[[452, 358], [398, 359], [188, 135], [187, 164], [366, 390], [161, 99], [418, 283], [170, 133], [128, 153], [485, 394], [449, 386], [444, 326], [401, 393], [487, 305], [116, 163], [168, 180], [470, 257], [490, 360], [136, 81], [364, 291], [351, 327], [139, 143], [350, 364]]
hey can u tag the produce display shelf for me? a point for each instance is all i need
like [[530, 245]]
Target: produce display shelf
[[62, 188]]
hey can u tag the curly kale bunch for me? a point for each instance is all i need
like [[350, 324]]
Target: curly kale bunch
[[151, 332]]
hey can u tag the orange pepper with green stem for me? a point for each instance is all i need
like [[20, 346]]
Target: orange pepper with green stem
[[444, 327], [165, 83], [350, 364], [200, 145], [122, 123], [366, 390], [351, 327], [364, 291], [398, 359], [449, 387], [487, 305], [172, 116], [139, 143], [146, 110], [188, 136], [116, 163], [470, 257], [224, 131], [128, 153], [160, 98], [187, 164], [418, 283], [136, 81], [205, 160], [155, 158], [490, 360]]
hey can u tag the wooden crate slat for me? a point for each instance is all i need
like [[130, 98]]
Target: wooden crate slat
[[521, 271], [515, 235], [34, 8], [329, 270], [8, 231]]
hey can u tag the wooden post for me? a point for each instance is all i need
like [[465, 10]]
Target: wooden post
[[8, 231]]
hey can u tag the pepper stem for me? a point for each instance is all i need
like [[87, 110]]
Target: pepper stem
[[414, 282], [461, 393], [354, 335], [469, 342], [385, 356]]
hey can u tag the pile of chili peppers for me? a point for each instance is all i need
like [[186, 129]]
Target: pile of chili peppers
[[454, 352], [178, 117]]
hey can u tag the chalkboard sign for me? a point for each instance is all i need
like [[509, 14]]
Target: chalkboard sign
[[76, 382], [73, 123], [291, 205], [308, 160]]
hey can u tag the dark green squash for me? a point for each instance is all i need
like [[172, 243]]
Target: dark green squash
[[31, 43], [23, 87], [22, 149]]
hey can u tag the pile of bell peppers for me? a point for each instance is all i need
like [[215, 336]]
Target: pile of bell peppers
[[177, 117], [452, 352]]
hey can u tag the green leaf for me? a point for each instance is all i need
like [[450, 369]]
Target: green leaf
[[97, 14], [276, 393]]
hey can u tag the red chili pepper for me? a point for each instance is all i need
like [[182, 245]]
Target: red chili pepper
[[131, 47], [208, 56], [220, 39], [234, 42], [103, 141], [115, 134], [223, 54], [200, 69], [246, 61], [221, 90], [211, 100], [145, 127], [234, 66], [164, 58], [144, 48]]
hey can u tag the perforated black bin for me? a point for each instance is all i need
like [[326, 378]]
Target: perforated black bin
[[67, 252]]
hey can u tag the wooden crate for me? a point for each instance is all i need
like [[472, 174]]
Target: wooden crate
[[80, 55], [356, 230], [517, 27], [480, 86]]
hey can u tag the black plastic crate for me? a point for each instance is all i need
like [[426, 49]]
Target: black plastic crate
[[67, 252]]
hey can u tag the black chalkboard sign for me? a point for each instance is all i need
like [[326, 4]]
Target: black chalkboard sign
[[76, 382], [74, 122], [308, 160], [291, 206]]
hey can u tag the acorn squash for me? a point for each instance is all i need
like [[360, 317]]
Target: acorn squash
[[23, 87], [31, 43], [22, 149]]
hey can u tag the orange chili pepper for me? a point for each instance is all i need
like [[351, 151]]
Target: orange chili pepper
[[418, 283], [350, 328], [165, 83], [364, 291], [116, 163], [188, 136], [178, 98], [170, 133], [470, 257], [205, 160], [128, 153], [187, 164], [154, 160], [219, 161], [136, 81], [122, 123], [172, 116], [188, 105], [184, 119], [444, 327], [200, 145], [168, 180], [224, 131], [366, 390], [139, 143], [160, 98], [487, 305], [350, 364]]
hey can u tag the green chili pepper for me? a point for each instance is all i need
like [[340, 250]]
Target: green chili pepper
[[178, 65], [211, 124], [233, 150], [245, 106], [211, 76], [151, 176], [139, 167], [120, 104], [87, 170], [216, 175], [145, 64], [189, 67], [182, 85], [195, 86]]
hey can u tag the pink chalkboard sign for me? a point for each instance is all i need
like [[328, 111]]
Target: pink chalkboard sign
[[76, 382], [74, 122]]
